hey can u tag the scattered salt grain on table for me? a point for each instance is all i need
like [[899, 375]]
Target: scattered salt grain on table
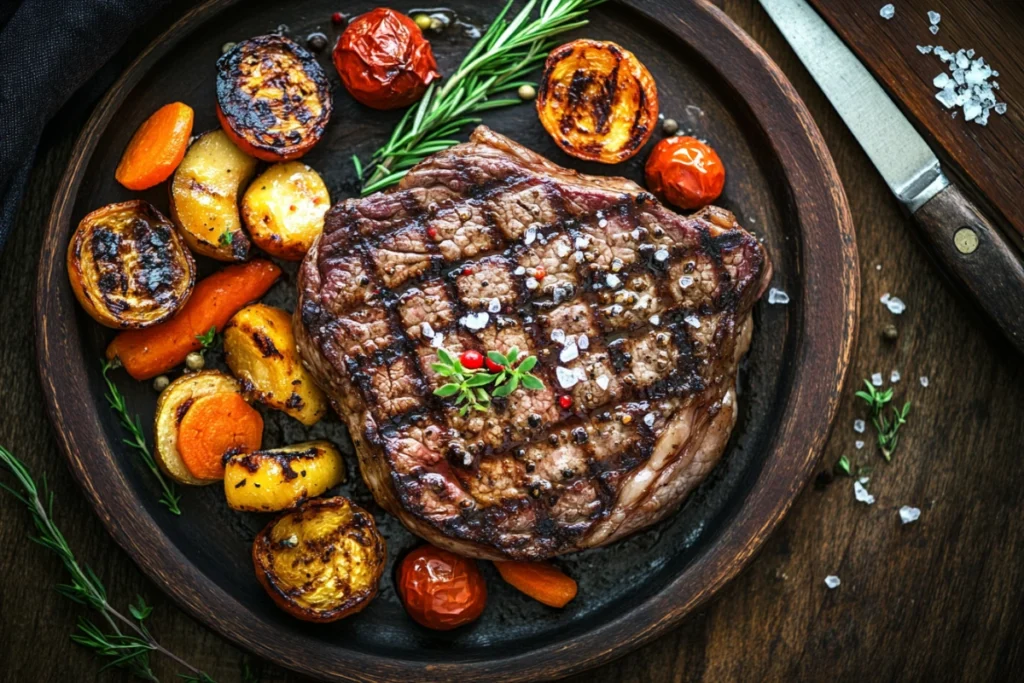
[[909, 514], [895, 376], [777, 296], [887, 11], [833, 581], [876, 379], [967, 86], [894, 304], [858, 444], [924, 49], [924, 381], [861, 494], [934, 18], [859, 426]]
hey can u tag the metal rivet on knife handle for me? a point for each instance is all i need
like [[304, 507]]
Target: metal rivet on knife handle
[[966, 240]]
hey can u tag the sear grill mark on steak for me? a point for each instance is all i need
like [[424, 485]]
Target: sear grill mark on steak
[[649, 310]]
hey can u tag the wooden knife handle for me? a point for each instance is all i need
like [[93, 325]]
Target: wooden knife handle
[[979, 257]]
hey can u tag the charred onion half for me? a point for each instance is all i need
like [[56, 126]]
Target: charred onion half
[[597, 101], [128, 267], [273, 98]]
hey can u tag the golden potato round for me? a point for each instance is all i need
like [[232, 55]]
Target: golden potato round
[[597, 101], [284, 209], [128, 267], [204, 197], [259, 347], [321, 562], [171, 408], [281, 478]]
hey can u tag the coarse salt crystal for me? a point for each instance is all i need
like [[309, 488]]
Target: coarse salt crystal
[[861, 493], [858, 426], [894, 376], [475, 321], [1000, 108], [885, 298], [615, 310], [858, 444], [612, 280], [655, 319], [685, 281], [558, 335], [777, 296], [603, 223], [649, 419], [887, 11], [494, 306], [941, 80], [832, 581], [581, 375], [692, 321], [895, 306], [924, 381], [909, 514], [569, 352], [603, 382], [876, 379], [583, 342], [583, 242], [924, 49], [531, 235], [520, 271], [426, 330], [616, 265], [661, 255], [437, 341], [934, 30], [531, 283], [467, 459], [562, 249], [934, 17], [580, 258], [566, 377], [635, 234]]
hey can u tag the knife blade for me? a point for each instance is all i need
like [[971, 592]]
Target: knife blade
[[972, 249]]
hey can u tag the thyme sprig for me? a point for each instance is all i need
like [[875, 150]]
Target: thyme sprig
[[498, 62], [124, 641], [470, 386], [169, 496], [875, 399], [888, 430]]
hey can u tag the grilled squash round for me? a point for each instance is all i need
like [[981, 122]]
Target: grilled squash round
[[273, 98], [597, 101], [281, 478], [321, 562], [171, 408], [128, 267]]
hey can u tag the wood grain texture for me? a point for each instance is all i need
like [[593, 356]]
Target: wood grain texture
[[938, 600], [991, 157]]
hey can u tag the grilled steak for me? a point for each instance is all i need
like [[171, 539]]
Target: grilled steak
[[640, 316]]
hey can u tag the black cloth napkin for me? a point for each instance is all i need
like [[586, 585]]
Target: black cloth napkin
[[48, 49]]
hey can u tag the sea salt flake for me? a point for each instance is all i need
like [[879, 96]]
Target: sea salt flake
[[566, 377], [583, 242], [475, 321], [832, 581], [887, 11], [426, 330], [661, 255], [876, 379], [655, 319], [579, 257], [603, 223], [685, 281], [972, 109], [924, 381], [861, 494], [692, 321], [777, 296], [520, 271], [562, 249], [494, 306], [858, 444], [531, 235], [941, 80], [895, 306], [962, 60], [934, 30], [934, 17], [558, 335], [947, 96], [924, 49], [612, 281], [581, 374], [603, 382], [438, 341], [894, 377], [635, 234], [649, 419], [909, 514], [859, 426], [583, 342], [569, 352], [531, 283]]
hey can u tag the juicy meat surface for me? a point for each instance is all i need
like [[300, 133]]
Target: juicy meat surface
[[641, 317]]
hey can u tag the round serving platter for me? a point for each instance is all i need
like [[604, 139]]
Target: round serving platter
[[781, 184]]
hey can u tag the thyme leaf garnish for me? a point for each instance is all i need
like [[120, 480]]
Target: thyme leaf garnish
[[470, 386]]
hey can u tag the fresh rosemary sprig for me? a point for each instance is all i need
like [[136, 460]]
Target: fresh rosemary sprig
[[468, 384], [498, 62], [888, 430], [127, 642], [115, 398], [512, 374], [875, 399]]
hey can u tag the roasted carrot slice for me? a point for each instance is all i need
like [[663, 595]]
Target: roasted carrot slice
[[152, 351], [157, 147], [214, 428], [540, 580]]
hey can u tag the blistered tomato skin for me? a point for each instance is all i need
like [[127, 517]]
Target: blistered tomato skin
[[685, 172], [441, 590], [384, 60]]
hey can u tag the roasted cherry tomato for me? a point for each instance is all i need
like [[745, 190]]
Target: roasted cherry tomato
[[441, 590], [686, 172], [471, 360], [384, 60]]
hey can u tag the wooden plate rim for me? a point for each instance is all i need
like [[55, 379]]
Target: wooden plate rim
[[830, 299]]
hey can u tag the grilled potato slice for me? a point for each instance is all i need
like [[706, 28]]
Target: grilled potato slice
[[259, 347], [284, 209], [273, 98], [128, 267], [171, 408], [597, 101], [281, 478], [204, 197], [321, 562]]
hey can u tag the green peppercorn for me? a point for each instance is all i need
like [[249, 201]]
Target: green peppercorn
[[527, 92], [670, 126], [195, 361], [161, 382]]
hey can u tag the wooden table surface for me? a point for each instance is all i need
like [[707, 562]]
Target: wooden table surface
[[939, 599]]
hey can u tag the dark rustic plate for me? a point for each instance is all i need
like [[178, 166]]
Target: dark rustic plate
[[781, 183]]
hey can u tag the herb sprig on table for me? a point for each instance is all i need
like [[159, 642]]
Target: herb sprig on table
[[169, 496], [498, 62], [124, 641], [886, 428]]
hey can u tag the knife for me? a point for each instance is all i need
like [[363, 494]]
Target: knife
[[974, 252]]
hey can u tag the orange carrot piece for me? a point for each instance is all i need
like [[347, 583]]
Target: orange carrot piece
[[157, 147], [216, 425], [540, 580], [154, 350]]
